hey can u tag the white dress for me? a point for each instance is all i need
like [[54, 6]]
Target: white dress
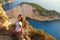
[[18, 29]]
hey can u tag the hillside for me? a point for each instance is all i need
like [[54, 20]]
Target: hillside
[[33, 11], [33, 33], [42, 12], [38, 7]]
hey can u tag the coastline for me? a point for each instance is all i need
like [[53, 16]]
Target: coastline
[[29, 13], [43, 20]]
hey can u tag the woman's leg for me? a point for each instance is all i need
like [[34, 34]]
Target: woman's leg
[[20, 36]]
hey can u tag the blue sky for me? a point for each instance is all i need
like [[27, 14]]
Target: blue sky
[[48, 4]]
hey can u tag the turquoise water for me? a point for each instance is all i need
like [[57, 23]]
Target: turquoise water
[[8, 6], [51, 27]]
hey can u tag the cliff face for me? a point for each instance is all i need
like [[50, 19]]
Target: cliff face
[[25, 10], [33, 11]]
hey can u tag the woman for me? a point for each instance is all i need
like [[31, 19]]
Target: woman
[[20, 27], [19, 24]]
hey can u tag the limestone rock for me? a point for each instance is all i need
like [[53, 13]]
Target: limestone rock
[[4, 18]]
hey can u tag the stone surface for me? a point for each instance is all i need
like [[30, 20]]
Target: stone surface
[[4, 20]]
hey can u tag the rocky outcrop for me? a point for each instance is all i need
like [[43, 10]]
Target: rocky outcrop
[[4, 20], [33, 33], [33, 11], [25, 10]]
